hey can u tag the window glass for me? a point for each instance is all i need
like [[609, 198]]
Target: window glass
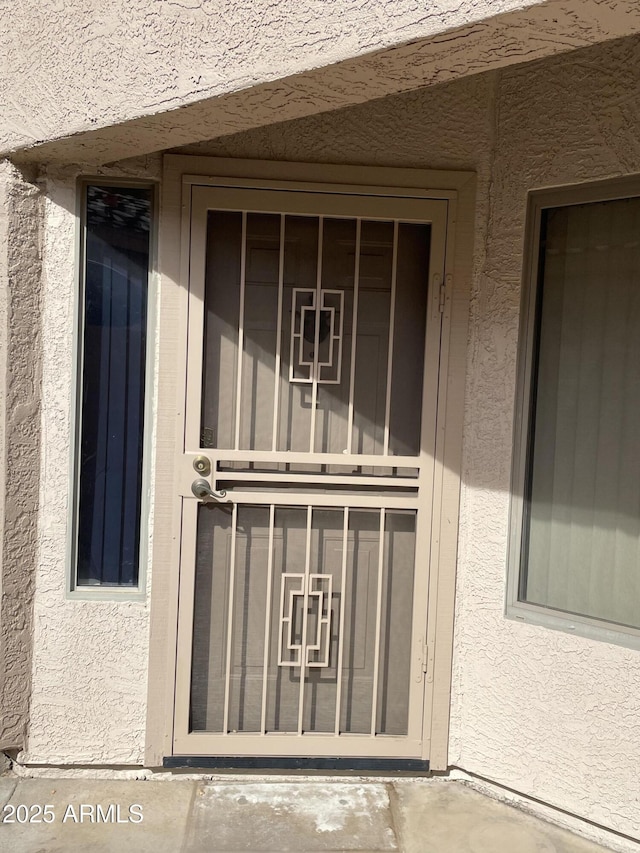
[[581, 532], [114, 327]]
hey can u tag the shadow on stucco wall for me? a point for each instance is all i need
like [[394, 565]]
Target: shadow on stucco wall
[[20, 381]]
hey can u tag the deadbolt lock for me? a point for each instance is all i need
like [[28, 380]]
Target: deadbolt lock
[[202, 465]]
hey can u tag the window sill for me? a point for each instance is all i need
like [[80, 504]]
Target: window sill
[[106, 593], [568, 623]]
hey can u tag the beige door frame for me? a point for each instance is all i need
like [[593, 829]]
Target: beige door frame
[[457, 189]]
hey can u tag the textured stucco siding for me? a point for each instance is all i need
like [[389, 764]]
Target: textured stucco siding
[[146, 75], [551, 715], [88, 701], [136, 57], [20, 350]]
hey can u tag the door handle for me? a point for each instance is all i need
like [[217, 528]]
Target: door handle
[[201, 489]]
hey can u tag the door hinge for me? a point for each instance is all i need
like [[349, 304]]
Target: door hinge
[[444, 284], [425, 659], [427, 662]]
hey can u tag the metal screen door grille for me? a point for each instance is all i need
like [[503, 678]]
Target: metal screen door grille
[[309, 344], [304, 651], [303, 587]]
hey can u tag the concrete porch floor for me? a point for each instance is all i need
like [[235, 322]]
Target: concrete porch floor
[[185, 816]]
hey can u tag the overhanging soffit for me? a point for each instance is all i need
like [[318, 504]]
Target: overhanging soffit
[[181, 73]]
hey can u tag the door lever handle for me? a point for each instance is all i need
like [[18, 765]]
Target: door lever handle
[[201, 489]]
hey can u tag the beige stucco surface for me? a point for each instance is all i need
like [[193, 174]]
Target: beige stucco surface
[[88, 700], [20, 365], [145, 75], [551, 715], [546, 712]]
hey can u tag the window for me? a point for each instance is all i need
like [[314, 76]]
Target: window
[[113, 339], [576, 530]]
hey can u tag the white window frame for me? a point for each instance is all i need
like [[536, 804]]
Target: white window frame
[[515, 609]]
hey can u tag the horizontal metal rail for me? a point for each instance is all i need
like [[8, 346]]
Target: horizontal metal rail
[[297, 457], [340, 500], [352, 480]]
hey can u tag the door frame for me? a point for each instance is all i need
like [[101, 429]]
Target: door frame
[[182, 172]]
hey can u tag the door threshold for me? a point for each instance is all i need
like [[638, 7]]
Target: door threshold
[[245, 762]]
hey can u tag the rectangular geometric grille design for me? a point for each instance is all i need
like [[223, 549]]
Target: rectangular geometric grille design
[[316, 336], [310, 651], [303, 599]]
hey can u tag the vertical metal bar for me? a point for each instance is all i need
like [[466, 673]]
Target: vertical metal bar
[[305, 607], [243, 272], [126, 432], [276, 383], [392, 316], [104, 425], [354, 333], [343, 587], [316, 340], [267, 622], [376, 659], [232, 575]]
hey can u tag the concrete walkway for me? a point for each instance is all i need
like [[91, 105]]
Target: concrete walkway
[[183, 816]]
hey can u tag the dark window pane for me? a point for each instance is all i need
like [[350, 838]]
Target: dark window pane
[[113, 372]]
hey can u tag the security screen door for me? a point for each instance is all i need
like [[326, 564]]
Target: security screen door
[[306, 472]]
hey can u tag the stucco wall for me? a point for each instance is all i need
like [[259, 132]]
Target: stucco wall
[[157, 73], [20, 350], [551, 715], [540, 711], [137, 57], [88, 701]]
